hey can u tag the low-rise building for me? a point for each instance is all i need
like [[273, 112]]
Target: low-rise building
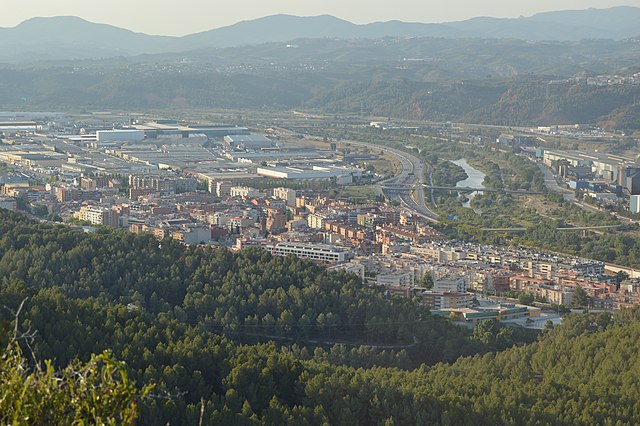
[[320, 252]]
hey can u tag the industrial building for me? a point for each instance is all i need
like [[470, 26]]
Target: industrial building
[[248, 142], [33, 159], [289, 155], [343, 176], [158, 128], [8, 203], [607, 166], [119, 135], [18, 126], [632, 181]]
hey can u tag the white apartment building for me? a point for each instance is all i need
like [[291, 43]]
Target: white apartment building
[[286, 194], [453, 285], [316, 221], [243, 191], [354, 268], [98, 215], [396, 279], [321, 252]]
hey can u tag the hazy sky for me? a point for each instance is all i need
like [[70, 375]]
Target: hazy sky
[[189, 16]]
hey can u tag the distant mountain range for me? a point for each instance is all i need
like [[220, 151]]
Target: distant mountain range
[[75, 38]]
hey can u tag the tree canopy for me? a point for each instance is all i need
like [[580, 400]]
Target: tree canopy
[[247, 338]]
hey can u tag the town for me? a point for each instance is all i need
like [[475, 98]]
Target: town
[[223, 185]]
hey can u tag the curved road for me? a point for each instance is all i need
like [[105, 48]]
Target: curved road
[[411, 175]]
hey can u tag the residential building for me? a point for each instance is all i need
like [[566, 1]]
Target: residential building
[[276, 220], [98, 215], [243, 191], [396, 279], [445, 300], [450, 284], [321, 252], [286, 194]]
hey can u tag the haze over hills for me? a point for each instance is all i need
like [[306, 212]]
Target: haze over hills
[[75, 38], [442, 72]]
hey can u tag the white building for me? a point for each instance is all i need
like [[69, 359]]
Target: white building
[[316, 221], [243, 191], [342, 176], [286, 194], [634, 204], [321, 252], [98, 215], [354, 268], [195, 235], [222, 189], [396, 279], [453, 285]]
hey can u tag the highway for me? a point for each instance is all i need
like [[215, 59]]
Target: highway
[[552, 184], [410, 175]]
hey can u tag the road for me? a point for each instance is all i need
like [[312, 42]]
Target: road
[[552, 184], [411, 175]]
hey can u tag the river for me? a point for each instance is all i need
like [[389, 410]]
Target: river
[[474, 179]]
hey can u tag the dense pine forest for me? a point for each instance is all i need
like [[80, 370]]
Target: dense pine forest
[[246, 338]]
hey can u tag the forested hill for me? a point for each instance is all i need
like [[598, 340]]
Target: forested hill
[[489, 81], [518, 101], [195, 323], [176, 315]]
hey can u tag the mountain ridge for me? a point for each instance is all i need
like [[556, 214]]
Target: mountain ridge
[[68, 37]]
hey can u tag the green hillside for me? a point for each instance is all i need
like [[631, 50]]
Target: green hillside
[[250, 339]]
